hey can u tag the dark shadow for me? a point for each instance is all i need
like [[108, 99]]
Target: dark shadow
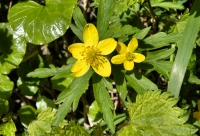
[[6, 41]]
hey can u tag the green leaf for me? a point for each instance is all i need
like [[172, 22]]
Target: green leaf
[[62, 83], [194, 79], [167, 5], [154, 114], [3, 106], [8, 128], [12, 47], [27, 114], [43, 103], [103, 100], [43, 123], [52, 71], [6, 86], [94, 115], [185, 48], [71, 95], [140, 83], [105, 11], [120, 82], [142, 33], [79, 18], [41, 24], [162, 67], [107, 83], [160, 54], [159, 40]]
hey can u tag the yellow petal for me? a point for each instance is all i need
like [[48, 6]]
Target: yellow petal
[[196, 115], [107, 46], [128, 65], [79, 68], [76, 50], [138, 57], [103, 69], [121, 47], [133, 44], [118, 59], [90, 35]]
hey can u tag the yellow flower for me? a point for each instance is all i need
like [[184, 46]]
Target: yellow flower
[[196, 114], [126, 55], [90, 53]]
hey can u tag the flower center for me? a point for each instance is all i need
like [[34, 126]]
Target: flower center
[[93, 57], [130, 56]]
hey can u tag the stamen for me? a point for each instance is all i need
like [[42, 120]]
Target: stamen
[[130, 56]]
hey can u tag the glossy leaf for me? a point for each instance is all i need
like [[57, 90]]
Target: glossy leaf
[[42, 124], [41, 24], [12, 47], [3, 106], [94, 115], [43, 103], [8, 128], [140, 83], [6, 86], [27, 114], [185, 49], [103, 100], [155, 114]]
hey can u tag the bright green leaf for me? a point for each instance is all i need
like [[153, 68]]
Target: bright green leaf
[[43, 123], [94, 115], [140, 83], [8, 128], [103, 100], [6, 86], [43, 103], [12, 47], [154, 114], [167, 5], [3, 106], [41, 24], [27, 114], [142, 33]]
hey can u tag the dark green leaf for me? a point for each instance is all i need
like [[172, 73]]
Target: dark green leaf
[[105, 11], [71, 95], [140, 83], [103, 100], [27, 114], [12, 48]]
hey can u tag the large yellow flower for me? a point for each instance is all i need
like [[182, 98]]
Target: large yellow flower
[[90, 53], [126, 55]]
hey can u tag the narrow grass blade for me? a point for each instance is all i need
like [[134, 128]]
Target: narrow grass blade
[[185, 48]]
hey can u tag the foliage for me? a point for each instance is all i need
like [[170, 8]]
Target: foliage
[[99, 67]]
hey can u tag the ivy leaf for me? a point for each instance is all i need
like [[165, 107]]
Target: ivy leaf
[[154, 114], [27, 114], [12, 48], [6, 86], [3, 106], [43, 123], [8, 128], [103, 100], [44, 103], [41, 24]]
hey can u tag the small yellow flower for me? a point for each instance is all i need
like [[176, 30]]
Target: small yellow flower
[[90, 53], [126, 55], [196, 114]]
